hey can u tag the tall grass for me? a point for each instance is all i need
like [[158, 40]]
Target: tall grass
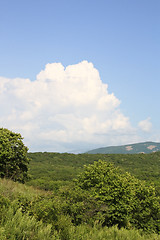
[[11, 190], [85, 232], [18, 226]]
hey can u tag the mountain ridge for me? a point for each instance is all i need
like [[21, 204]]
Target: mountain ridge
[[135, 148]]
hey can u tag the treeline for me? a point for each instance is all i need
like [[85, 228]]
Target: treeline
[[50, 170]]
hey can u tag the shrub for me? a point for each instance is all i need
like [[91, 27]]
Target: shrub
[[126, 200]]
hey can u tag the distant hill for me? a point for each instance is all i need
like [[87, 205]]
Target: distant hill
[[144, 147]]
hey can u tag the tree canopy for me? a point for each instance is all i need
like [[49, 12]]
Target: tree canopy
[[126, 200], [13, 156]]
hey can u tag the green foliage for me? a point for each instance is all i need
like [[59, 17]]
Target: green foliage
[[64, 226], [16, 225], [13, 156], [48, 168], [19, 205], [81, 206], [32, 214], [4, 203], [89, 204], [44, 209], [126, 199], [85, 232], [101, 196]]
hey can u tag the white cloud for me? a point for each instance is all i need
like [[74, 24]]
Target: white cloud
[[64, 108], [145, 125]]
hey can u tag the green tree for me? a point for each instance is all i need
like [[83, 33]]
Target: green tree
[[13, 156], [126, 200]]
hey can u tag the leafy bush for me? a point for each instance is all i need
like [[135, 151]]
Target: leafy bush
[[44, 209], [81, 206], [126, 199]]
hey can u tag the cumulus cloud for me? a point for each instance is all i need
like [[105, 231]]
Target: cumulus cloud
[[63, 109], [145, 125]]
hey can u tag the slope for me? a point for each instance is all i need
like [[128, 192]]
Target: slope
[[144, 147]]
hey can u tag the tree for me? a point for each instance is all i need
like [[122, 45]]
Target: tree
[[126, 200], [13, 156]]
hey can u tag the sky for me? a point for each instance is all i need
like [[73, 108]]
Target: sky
[[78, 75]]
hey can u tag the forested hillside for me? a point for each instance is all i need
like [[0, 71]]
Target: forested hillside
[[46, 168], [144, 147]]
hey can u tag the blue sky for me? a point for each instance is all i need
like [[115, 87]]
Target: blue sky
[[122, 41]]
